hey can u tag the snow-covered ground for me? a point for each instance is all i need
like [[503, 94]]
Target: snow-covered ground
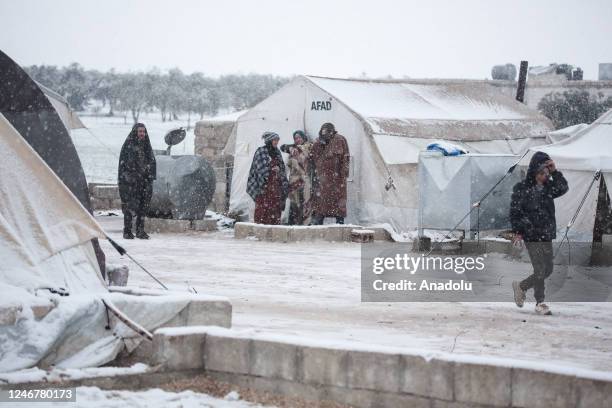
[[99, 145], [312, 290], [93, 397]]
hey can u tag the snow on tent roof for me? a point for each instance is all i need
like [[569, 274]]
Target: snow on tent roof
[[229, 117], [589, 149], [466, 110]]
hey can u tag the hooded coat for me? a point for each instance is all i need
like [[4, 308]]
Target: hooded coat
[[532, 209], [331, 163], [137, 170]]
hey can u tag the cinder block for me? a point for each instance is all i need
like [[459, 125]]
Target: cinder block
[[354, 398], [115, 204], [499, 247], [204, 313], [394, 400], [273, 360], [207, 224], [163, 225], [374, 371], [279, 234], [334, 234], [262, 232], [381, 234], [483, 384], [226, 354], [433, 378], [109, 192], [593, 393], [324, 366], [243, 230], [552, 390], [178, 351]]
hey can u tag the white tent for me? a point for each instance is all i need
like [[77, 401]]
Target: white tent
[[70, 119], [579, 157], [45, 233], [387, 124]]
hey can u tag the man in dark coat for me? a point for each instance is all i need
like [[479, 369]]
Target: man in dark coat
[[136, 174], [532, 215], [267, 184], [330, 157]]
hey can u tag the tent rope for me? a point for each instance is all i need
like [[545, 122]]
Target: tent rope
[[122, 251], [479, 202], [596, 177]]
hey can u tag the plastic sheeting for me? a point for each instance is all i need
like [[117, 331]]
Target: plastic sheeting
[[45, 232], [449, 186], [73, 334]]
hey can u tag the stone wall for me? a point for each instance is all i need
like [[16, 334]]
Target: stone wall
[[365, 378], [104, 196], [210, 140]]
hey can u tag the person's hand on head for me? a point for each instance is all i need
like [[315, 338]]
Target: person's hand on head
[[552, 167]]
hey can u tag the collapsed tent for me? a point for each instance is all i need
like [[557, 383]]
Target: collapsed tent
[[53, 308], [580, 157], [386, 124]]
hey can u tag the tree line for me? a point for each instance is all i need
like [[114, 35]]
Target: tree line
[[170, 92], [569, 108]]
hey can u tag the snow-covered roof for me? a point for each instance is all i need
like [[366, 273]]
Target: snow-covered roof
[[589, 149], [468, 110]]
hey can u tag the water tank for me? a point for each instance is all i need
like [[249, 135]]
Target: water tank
[[605, 71], [504, 72], [183, 189]]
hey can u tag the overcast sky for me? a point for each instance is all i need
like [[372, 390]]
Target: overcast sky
[[420, 39]]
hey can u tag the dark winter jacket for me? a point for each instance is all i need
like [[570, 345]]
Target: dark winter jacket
[[260, 169], [137, 169], [532, 209]]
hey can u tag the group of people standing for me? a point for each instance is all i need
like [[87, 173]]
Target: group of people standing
[[316, 184]]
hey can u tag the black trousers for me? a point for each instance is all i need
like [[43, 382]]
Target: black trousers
[[137, 207], [541, 255], [318, 220]]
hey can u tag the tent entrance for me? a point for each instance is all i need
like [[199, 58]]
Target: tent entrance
[[602, 230]]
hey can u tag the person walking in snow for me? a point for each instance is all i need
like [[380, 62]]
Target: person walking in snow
[[267, 184], [330, 157], [137, 171], [300, 178], [532, 215]]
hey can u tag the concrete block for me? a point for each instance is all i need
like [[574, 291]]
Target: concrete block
[[178, 351], [433, 378], [109, 192], [8, 315], [394, 400], [100, 203], [483, 384], [273, 360], [262, 232], [374, 371], [162, 225], [227, 354], [324, 366], [204, 313], [593, 393], [243, 230], [353, 398], [115, 204], [536, 389], [207, 224], [299, 234], [335, 234], [499, 247], [381, 234], [279, 233]]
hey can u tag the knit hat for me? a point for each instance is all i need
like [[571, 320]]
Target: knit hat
[[302, 135], [269, 136]]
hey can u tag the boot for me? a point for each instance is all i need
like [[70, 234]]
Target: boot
[[140, 232], [519, 294], [128, 234], [543, 309]]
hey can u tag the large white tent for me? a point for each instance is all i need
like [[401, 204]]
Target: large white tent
[[69, 117], [387, 124], [579, 157]]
